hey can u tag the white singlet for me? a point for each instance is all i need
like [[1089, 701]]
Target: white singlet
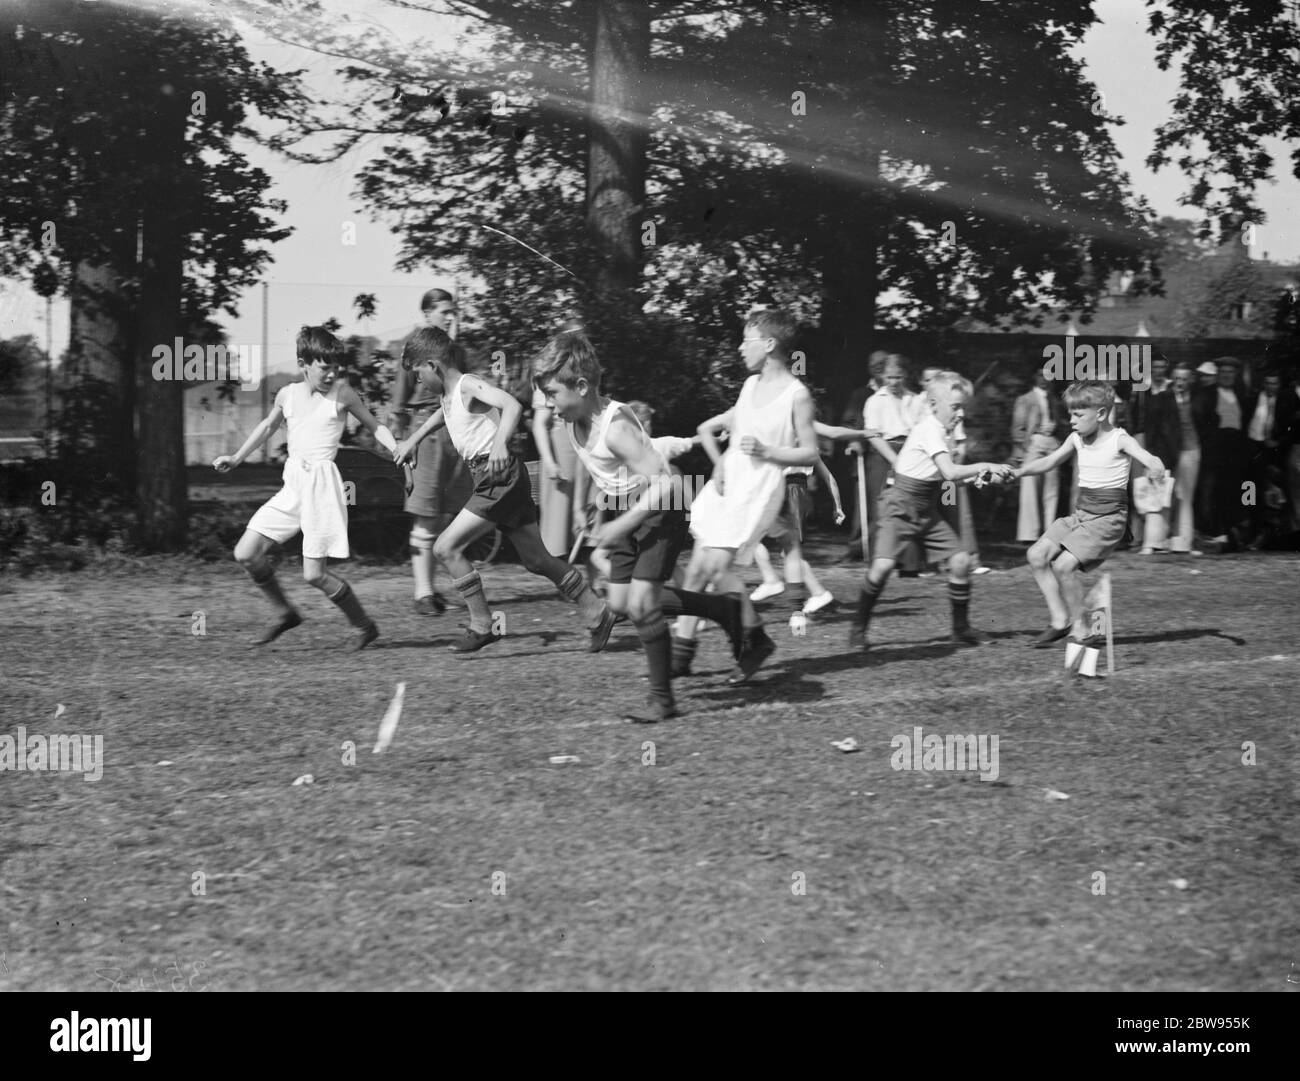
[[472, 434]]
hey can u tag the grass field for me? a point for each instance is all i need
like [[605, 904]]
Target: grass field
[[751, 854]]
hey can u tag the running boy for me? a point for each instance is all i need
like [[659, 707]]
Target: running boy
[[771, 427], [787, 530], [481, 419], [312, 499], [914, 509], [1082, 541], [646, 538], [438, 483]]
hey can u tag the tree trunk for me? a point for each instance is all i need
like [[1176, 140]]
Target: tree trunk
[[618, 142], [161, 492], [104, 357]]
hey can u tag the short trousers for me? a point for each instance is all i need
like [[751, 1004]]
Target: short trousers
[[650, 554], [912, 510], [441, 483], [795, 510], [312, 502], [1089, 535], [507, 502]]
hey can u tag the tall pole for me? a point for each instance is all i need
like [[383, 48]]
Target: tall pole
[[266, 366]]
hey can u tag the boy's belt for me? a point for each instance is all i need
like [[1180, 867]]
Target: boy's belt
[[1102, 500]]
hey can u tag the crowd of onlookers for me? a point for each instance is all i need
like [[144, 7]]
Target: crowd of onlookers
[[1231, 447]]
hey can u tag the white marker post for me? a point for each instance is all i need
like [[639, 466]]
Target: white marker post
[[388, 726]]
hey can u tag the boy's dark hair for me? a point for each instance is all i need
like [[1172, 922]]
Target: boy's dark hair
[[434, 297], [1089, 394], [317, 343], [778, 324], [431, 345], [568, 357]]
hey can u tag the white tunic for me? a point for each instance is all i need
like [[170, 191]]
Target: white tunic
[[754, 489], [313, 490]]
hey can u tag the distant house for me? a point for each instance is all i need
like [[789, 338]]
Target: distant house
[[1225, 294]]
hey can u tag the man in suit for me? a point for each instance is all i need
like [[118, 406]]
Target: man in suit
[[1038, 424], [1264, 462], [1157, 414], [1224, 456], [1192, 427], [1288, 439]]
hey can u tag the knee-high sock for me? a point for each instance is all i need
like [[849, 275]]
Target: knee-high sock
[[655, 640], [959, 595], [471, 589], [264, 578], [573, 587], [348, 604], [422, 562], [867, 600]]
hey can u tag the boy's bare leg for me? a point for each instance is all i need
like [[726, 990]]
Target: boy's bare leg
[[527, 541], [316, 573], [1042, 555], [694, 581], [449, 549], [1066, 569], [252, 554]]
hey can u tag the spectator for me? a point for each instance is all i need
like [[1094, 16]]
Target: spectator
[[1289, 450], [1223, 461], [1208, 374], [1139, 405], [854, 416], [1264, 464], [1038, 424], [1188, 464], [1156, 410], [891, 411]]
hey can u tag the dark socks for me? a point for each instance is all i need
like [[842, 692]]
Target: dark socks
[[573, 587], [867, 597], [347, 603], [265, 580], [471, 590], [959, 595], [655, 639]]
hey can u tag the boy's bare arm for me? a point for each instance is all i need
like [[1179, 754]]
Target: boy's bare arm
[[633, 449], [482, 391], [836, 432], [353, 404], [708, 433], [403, 451], [264, 430], [1044, 465], [1155, 467], [805, 453]]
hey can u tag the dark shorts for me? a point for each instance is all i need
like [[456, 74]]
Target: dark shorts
[[795, 510], [439, 482], [913, 510], [650, 554], [1092, 532], [507, 502]]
